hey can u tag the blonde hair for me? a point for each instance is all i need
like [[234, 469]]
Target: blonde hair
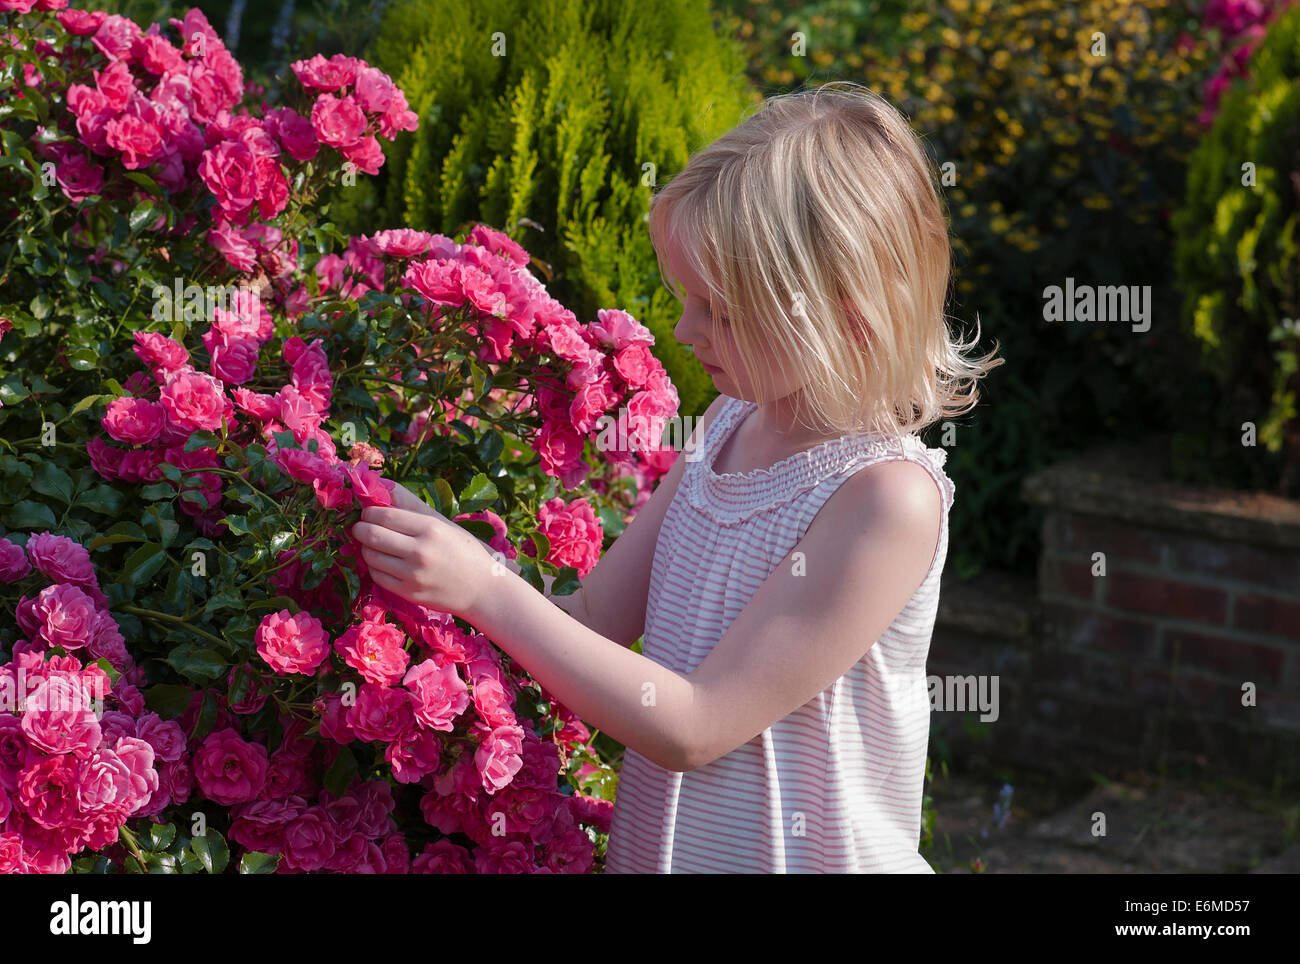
[[819, 230]]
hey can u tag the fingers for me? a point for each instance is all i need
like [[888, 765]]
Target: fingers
[[395, 566], [398, 520], [404, 498], [391, 583], [384, 539]]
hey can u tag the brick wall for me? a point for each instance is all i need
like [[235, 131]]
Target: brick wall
[[1142, 666]]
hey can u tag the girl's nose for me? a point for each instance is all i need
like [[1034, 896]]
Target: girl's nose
[[688, 330]]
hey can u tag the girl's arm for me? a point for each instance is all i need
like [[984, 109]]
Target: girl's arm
[[612, 598], [864, 555]]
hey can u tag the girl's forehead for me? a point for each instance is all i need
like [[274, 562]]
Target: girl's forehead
[[683, 269]]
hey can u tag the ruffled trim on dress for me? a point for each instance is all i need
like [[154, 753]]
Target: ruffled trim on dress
[[732, 497]]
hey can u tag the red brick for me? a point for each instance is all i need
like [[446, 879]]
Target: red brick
[[1268, 614], [1070, 534], [1165, 597], [1232, 658], [1087, 628], [1060, 576], [1268, 568]]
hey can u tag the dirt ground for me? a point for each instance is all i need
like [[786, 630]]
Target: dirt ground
[[1171, 829]]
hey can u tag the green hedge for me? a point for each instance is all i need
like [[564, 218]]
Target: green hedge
[[558, 141], [1240, 270]]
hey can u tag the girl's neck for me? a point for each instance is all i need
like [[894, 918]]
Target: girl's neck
[[776, 419]]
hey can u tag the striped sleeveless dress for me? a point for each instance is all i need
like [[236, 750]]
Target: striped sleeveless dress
[[836, 786]]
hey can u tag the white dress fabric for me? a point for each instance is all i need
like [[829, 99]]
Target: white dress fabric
[[836, 786]]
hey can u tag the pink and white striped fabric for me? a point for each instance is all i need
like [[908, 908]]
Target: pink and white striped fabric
[[836, 786]]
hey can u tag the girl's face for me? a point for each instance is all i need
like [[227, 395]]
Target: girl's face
[[712, 340]]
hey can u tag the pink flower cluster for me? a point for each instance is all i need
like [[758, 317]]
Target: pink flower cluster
[[1242, 24], [78, 754], [593, 369], [148, 100], [174, 400]]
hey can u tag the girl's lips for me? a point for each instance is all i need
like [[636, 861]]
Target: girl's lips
[[711, 369]]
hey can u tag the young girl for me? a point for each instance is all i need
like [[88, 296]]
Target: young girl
[[785, 574]]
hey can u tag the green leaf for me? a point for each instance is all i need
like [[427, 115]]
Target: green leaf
[[212, 851], [141, 565], [479, 494], [168, 700], [49, 479], [85, 403], [30, 515], [339, 776], [41, 306], [481, 529], [566, 583], [199, 664], [159, 836], [159, 490], [103, 499], [142, 214], [530, 572], [256, 862], [83, 359], [541, 544], [238, 525], [444, 500]]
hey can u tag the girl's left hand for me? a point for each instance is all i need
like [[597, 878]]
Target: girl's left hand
[[416, 552]]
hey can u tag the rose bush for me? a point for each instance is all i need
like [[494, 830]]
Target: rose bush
[[203, 383]]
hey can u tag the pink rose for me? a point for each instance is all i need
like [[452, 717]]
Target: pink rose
[[165, 736], [504, 857], [135, 421], [196, 401], [635, 363], [499, 757], [375, 650], [82, 23], [414, 755], [61, 559], [443, 857], [233, 359], [440, 694], [337, 121], [292, 644], [559, 448], [309, 840], [374, 90], [13, 562], [229, 769], [58, 717], [321, 74], [618, 329], [381, 713], [260, 825], [370, 487], [78, 176], [47, 792], [64, 616], [575, 534], [232, 246], [295, 132], [592, 810], [160, 352]]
